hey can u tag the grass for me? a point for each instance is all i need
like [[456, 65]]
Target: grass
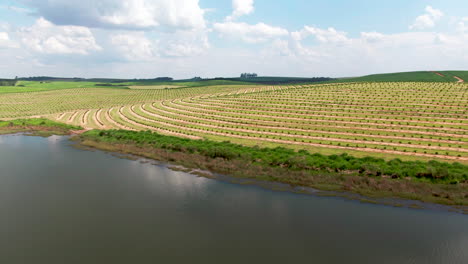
[[461, 74], [33, 86], [38, 126], [427, 181], [420, 76]]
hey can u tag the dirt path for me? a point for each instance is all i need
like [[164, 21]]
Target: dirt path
[[97, 120], [438, 73], [84, 118], [460, 80], [72, 117], [114, 122]]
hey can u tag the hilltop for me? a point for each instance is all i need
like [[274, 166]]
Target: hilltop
[[418, 76]]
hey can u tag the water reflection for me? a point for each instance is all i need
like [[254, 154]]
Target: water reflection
[[109, 210]]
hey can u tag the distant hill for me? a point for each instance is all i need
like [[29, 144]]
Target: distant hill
[[195, 81], [419, 76], [278, 80]]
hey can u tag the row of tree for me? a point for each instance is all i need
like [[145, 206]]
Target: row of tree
[[7, 82]]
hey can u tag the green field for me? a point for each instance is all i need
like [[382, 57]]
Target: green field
[[421, 76], [407, 120]]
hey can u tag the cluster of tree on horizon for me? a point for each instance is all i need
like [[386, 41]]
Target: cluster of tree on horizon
[[250, 78], [7, 82]]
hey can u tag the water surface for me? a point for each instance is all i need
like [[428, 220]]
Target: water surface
[[59, 204]]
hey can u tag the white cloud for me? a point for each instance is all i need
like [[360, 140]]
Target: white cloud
[[138, 46], [123, 14], [257, 33], [372, 36], [4, 36], [6, 42], [462, 25], [329, 35], [134, 46], [427, 20], [185, 44], [241, 8], [44, 37]]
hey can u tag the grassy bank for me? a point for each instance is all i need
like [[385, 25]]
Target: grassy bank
[[438, 182], [38, 126]]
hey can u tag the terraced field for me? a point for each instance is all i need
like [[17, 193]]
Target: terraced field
[[408, 120]]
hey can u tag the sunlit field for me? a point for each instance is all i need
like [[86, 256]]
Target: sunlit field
[[408, 120]]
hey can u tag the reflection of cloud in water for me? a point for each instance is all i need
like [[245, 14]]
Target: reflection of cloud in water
[[11, 139], [55, 150], [179, 183]]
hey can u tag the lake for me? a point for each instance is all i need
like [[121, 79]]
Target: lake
[[60, 204]]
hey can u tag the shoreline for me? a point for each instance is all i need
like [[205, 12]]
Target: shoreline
[[324, 183], [209, 170]]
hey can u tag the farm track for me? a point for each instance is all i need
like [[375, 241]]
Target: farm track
[[84, 119], [115, 123], [97, 120], [460, 80]]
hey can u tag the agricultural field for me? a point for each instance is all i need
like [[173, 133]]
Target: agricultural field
[[406, 120], [420, 76]]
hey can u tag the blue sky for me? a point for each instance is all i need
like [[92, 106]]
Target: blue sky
[[209, 38]]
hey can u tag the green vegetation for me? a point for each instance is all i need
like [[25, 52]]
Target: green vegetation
[[420, 76], [439, 172], [33, 86], [461, 74], [280, 80], [6, 82], [406, 120], [39, 126], [334, 172]]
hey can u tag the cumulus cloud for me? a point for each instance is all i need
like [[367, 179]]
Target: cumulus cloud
[[134, 46], [257, 33], [241, 8], [123, 14], [428, 20], [184, 44], [329, 35], [137, 46], [5, 41], [462, 26], [372, 36], [45, 37]]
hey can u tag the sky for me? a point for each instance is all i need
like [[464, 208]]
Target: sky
[[223, 38]]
